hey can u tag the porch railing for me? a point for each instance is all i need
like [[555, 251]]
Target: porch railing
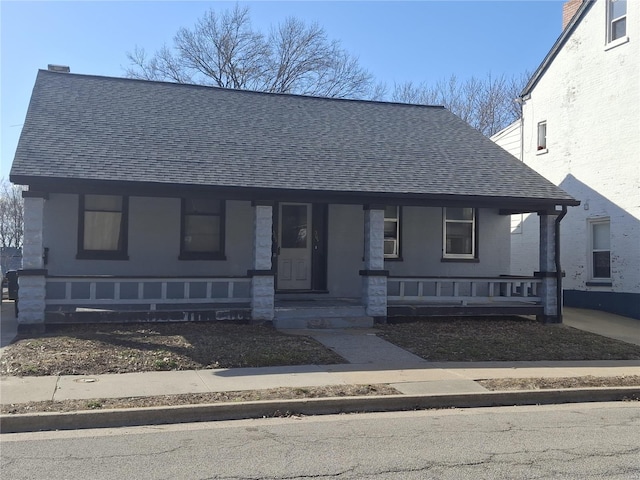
[[152, 291], [463, 290]]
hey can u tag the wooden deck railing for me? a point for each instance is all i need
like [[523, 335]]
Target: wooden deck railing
[[151, 291], [463, 290]]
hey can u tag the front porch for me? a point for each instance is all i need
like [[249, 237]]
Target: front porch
[[77, 299], [359, 284]]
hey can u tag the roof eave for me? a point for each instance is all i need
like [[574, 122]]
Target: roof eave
[[564, 36], [67, 185]]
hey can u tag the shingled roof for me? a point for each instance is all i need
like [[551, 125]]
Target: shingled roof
[[102, 129]]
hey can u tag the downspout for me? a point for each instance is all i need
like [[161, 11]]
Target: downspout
[[558, 267]]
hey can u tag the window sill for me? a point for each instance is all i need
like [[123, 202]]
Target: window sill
[[100, 255], [542, 151], [202, 256], [616, 43], [393, 259], [461, 260], [602, 283]]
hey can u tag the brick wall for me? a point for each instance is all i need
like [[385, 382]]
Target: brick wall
[[590, 98]]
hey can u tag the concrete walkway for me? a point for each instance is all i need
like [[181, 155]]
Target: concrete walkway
[[603, 323]]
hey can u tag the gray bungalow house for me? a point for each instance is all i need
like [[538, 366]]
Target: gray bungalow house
[[160, 201]]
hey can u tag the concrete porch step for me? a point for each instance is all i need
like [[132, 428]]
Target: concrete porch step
[[322, 317]]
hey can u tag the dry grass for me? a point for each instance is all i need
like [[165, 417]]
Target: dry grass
[[98, 349], [502, 339], [200, 398], [539, 383]]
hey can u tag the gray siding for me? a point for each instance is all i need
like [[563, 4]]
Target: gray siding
[[154, 243], [421, 245], [154, 240]]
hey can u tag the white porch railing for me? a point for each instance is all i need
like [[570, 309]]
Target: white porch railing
[[463, 290], [112, 291]]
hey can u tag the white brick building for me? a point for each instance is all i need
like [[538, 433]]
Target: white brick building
[[581, 130]]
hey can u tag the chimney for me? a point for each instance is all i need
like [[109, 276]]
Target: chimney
[[569, 9], [58, 68]]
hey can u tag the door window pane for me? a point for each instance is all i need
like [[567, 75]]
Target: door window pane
[[294, 226]]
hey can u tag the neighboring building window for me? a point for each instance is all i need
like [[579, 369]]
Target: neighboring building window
[[392, 232], [202, 229], [542, 135], [617, 19], [459, 232], [600, 249], [102, 231]]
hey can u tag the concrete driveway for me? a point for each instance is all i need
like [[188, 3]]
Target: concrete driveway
[[603, 323]]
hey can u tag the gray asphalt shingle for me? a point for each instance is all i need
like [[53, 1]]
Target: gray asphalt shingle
[[102, 128]]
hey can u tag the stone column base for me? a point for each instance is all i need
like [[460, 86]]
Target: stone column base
[[374, 295], [31, 301], [262, 298], [548, 296]]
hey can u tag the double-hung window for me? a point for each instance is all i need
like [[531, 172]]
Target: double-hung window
[[616, 19], [600, 233], [202, 229], [102, 227], [459, 233], [392, 232], [542, 136]]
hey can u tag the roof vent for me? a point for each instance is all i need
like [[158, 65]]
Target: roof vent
[[58, 68]]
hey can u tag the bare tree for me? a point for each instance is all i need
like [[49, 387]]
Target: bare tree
[[11, 222], [487, 104], [11, 214], [224, 50]]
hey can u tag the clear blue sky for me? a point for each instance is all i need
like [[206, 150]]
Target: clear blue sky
[[396, 41]]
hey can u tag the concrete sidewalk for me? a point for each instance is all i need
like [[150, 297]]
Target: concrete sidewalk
[[436, 378]]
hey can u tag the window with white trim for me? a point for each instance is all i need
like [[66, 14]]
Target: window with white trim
[[542, 135], [459, 232], [392, 232], [600, 234], [616, 19]]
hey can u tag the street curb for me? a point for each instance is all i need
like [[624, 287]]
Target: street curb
[[314, 406]]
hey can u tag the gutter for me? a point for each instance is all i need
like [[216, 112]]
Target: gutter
[[558, 267]]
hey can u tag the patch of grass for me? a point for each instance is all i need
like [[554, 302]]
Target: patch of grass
[[476, 339], [541, 383], [124, 348], [281, 393]]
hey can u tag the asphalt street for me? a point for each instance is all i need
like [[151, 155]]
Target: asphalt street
[[576, 441]]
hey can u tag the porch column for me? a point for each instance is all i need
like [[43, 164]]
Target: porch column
[[32, 277], [548, 289], [374, 277], [262, 281]]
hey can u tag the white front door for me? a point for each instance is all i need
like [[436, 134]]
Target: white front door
[[294, 246]]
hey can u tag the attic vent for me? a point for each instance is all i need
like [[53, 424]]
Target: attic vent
[[58, 68]]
